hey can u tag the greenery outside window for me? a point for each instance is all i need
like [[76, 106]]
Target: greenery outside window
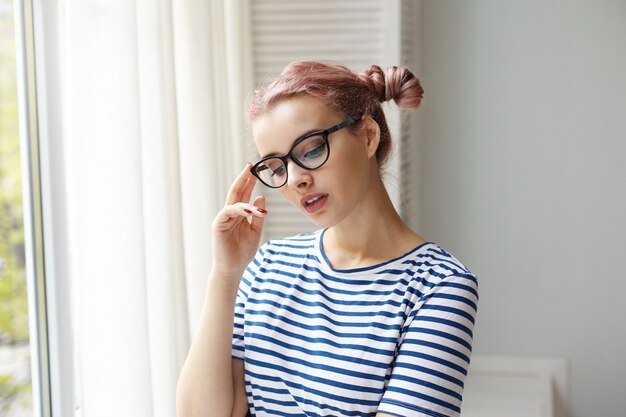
[[15, 371], [24, 381]]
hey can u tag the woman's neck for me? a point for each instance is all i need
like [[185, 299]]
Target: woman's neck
[[373, 233]]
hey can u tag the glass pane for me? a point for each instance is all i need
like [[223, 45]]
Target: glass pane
[[15, 375]]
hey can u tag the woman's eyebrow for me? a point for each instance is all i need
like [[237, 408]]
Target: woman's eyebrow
[[308, 132]]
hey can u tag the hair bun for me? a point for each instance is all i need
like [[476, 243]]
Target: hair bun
[[396, 83]]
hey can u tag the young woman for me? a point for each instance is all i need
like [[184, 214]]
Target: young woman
[[361, 318]]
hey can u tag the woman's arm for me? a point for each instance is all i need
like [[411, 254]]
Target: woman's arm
[[206, 385], [211, 382]]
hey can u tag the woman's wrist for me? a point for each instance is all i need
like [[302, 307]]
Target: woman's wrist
[[225, 279]]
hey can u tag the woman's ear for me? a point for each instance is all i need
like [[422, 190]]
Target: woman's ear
[[372, 135]]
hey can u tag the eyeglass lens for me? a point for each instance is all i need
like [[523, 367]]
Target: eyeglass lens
[[311, 152]]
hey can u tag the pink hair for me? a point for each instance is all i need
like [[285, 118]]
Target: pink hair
[[343, 90]]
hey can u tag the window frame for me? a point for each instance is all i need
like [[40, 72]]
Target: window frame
[[32, 207]]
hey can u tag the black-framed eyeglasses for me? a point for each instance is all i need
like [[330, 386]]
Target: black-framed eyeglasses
[[309, 152]]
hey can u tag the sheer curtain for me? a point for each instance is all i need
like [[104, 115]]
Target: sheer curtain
[[151, 102]]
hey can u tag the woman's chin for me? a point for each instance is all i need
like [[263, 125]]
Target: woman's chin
[[319, 221], [323, 220]]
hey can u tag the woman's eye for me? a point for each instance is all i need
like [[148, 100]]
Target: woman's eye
[[278, 171], [314, 153]]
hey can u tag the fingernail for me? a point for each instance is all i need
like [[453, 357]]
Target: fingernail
[[247, 211], [261, 210]]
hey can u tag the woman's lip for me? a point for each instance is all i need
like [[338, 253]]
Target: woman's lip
[[317, 204], [306, 198]]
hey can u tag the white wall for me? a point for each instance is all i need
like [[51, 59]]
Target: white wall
[[524, 177]]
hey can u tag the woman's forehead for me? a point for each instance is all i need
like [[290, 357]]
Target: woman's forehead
[[275, 130]]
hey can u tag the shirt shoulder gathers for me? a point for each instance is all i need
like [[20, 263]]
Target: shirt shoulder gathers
[[393, 338]]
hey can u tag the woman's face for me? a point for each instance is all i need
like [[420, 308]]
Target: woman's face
[[329, 194]]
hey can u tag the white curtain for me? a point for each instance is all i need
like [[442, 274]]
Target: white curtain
[[153, 97]]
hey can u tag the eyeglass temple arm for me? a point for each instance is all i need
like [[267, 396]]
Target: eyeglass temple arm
[[343, 124]]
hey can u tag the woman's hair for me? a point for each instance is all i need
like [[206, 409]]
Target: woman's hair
[[348, 93]]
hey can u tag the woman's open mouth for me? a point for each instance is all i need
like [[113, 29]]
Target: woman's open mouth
[[314, 202]]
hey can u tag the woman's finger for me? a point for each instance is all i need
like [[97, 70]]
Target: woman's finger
[[248, 188], [257, 221], [236, 211], [236, 190]]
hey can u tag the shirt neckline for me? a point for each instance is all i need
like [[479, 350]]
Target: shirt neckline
[[319, 247]]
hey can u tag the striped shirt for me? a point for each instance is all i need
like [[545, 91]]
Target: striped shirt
[[394, 338]]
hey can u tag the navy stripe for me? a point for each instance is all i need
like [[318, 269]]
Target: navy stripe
[[388, 327], [459, 286], [317, 365], [287, 245], [304, 237], [308, 376], [351, 281], [368, 336], [308, 389], [428, 262], [278, 413], [425, 397], [431, 358], [437, 346], [255, 261], [448, 310], [325, 307], [265, 388], [309, 352], [301, 400], [325, 296], [455, 298], [468, 276], [410, 407], [318, 282], [295, 276], [423, 280], [416, 276], [446, 322], [330, 289], [445, 261], [440, 334], [433, 265], [429, 371], [324, 341], [431, 385], [292, 255], [258, 398]]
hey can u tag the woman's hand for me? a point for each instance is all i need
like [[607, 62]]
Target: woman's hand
[[235, 239], [209, 385]]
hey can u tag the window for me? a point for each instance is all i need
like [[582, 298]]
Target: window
[[15, 363], [24, 387]]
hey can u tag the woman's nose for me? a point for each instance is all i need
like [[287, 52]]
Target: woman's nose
[[298, 177]]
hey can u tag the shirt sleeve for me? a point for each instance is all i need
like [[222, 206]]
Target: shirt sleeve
[[433, 357], [245, 288]]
